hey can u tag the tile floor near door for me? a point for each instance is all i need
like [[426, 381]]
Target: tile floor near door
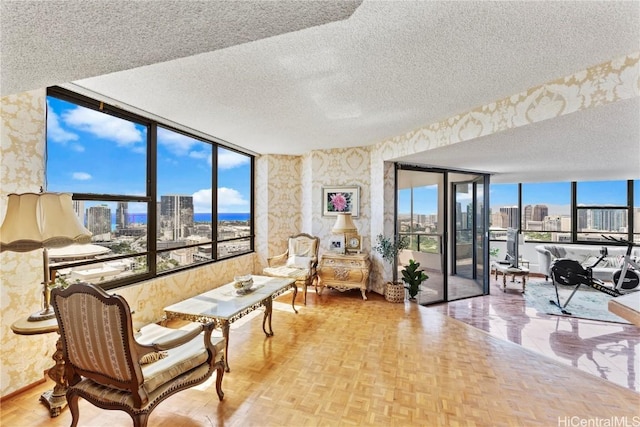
[[607, 350]]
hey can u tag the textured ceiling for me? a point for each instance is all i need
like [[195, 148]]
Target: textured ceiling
[[51, 42], [389, 68]]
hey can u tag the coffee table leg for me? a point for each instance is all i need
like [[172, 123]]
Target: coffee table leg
[[504, 282], [224, 325], [268, 309]]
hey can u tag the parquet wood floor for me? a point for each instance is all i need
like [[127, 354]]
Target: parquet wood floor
[[343, 361]]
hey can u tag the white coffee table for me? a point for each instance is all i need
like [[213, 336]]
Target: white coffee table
[[224, 305]]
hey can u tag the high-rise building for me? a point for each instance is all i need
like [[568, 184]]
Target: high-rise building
[[552, 223], [99, 220], [539, 212], [608, 219], [528, 216], [584, 216], [511, 216], [122, 215], [176, 216], [78, 208]]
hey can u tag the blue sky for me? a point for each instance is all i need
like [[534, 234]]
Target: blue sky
[[92, 152], [557, 196]]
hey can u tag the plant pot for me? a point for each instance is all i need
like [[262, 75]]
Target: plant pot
[[394, 292]]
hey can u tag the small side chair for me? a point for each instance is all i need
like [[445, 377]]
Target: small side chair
[[299, 262], [107, 366]]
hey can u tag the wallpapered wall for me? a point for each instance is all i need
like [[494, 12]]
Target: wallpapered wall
[[288, 197], [278, 204]]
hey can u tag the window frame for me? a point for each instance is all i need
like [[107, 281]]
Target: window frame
[[151, 196]]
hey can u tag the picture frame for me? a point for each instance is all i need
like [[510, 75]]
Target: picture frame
[[347, 196], [336, 243]]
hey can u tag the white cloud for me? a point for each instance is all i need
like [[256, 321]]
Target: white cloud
[[201, 155], [202, 201], [176, 143], [81, 176], [230, 159], [229, 200], [55, 132], [104, 126]]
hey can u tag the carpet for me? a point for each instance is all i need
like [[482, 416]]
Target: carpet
[[587, 303]]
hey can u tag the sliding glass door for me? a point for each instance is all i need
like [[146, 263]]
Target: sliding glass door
[[469, 237], [443, 215]]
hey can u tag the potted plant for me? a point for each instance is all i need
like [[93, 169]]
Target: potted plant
[[389, 249], [413, 278]]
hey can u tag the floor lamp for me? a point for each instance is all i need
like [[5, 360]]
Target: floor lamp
[[41, 221]]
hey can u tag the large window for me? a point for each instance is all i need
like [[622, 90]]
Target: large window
[[579, 212], [144, 190]]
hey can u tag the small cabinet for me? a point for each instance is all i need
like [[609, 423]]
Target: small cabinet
[[344, 271]]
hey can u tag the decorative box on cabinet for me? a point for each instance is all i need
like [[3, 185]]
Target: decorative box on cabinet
[[344, 272]]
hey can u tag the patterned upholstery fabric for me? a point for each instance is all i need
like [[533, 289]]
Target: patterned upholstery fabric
[[97, 343]]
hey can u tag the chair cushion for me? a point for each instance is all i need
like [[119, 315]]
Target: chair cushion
[[297, 261], [290, 272], [178, 360]]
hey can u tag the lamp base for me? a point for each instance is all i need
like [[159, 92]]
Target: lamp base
[[42, 315]]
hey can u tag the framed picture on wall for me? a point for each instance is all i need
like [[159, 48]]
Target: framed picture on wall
[[340, 199], [336, 243]]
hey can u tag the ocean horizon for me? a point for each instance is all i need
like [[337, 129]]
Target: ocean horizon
[[141, 218]]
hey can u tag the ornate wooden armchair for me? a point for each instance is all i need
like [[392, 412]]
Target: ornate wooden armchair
[[299, 262], [108, 367]]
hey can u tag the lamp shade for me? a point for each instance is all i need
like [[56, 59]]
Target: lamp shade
[[43, 220], [344, 224]]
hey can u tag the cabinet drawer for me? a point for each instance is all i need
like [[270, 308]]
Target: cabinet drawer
[[346, 263], [343, 274]]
